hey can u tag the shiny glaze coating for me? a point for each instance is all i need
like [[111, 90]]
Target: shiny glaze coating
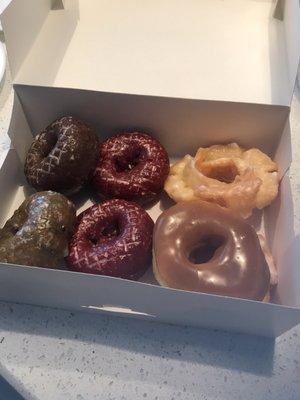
[[132, 166], [112, 238], [228, 175], [236, 266], [39, 231], [62, 157]]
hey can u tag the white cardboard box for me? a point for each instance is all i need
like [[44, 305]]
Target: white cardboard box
[[191, 73]]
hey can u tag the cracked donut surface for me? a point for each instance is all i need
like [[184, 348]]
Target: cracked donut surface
[[228, 175]]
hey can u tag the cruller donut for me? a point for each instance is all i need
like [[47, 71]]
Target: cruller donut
[[227, 175], [202, 247]]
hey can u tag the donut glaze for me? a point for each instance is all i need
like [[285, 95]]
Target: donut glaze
[[112, 238], [228, 175], [132, 166], [62, 157], [202, 247], [39, 231]]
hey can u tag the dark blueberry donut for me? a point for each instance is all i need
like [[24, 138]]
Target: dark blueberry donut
[[131, 166], [62, 156], [112, 238]]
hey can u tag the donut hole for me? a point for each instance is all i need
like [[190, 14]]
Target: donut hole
[[14, 230], [222, 171], [110, 231], [129, 160], [50, 143], [205, 250]]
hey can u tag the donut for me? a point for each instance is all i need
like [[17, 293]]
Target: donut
[[228, 175], [112, 238], [131, 166], [62, 157], [39, 231], [202, 247]]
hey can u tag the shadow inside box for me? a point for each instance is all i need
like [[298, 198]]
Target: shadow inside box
[[87, 197], [27, 190], [238, 352], [84, 198], [256, 219], [287, 291], [297, 88], [165, 202], [8, 392]]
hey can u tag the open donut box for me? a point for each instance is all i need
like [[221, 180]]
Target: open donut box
[[191, 73]]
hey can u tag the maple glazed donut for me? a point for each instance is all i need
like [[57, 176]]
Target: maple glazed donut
[[202, 247], [112, 238], [62, 156], [131, 166]]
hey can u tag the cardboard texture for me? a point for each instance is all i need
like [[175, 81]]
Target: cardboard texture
[[136, 65]]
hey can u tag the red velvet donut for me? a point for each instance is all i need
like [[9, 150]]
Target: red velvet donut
[[131, 166], [112, 238]]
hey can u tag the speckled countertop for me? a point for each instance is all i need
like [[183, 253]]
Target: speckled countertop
[[51, 355]]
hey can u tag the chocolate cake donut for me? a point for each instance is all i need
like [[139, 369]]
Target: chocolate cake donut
[[62, 156]]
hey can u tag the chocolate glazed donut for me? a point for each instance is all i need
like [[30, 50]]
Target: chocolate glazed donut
[[132, 166], [62, 156], [203, 247]]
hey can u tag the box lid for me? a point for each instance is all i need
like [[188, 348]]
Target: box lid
[[232, 50]]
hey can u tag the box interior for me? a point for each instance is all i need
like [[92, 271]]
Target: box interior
[[233, 50], [36, 107]]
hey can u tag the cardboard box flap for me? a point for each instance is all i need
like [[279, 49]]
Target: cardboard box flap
[[233, 50], [22, 22]]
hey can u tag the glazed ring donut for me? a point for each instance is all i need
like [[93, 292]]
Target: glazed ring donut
[[202, 247], [112, 238], [39, 231], [132, 166], [62, 157], [226, 175]]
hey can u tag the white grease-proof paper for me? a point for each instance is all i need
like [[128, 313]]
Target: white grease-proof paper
[[231, 50]]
